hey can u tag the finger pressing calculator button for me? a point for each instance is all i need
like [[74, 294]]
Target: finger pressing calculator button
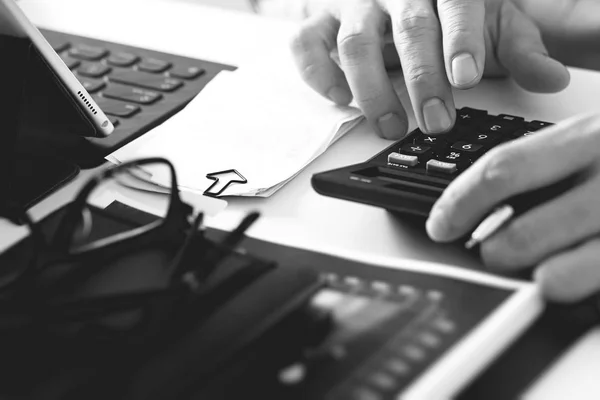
[[403, 159], [421, 151], [537, 125], [441, 166]]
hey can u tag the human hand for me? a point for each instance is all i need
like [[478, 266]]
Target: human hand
[[560, 237], [452, 46], [570, 28]]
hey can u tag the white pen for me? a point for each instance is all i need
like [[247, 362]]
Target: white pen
[[490, 225]]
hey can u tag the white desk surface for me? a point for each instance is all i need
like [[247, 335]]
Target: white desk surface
[[296, 214]]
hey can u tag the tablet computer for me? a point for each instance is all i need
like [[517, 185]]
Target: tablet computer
[[14, 23]]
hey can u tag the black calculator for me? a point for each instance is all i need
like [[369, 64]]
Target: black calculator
[[411, 174]]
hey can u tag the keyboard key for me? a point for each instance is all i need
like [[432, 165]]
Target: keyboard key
[[70, 62], [133, 94], [116, 108], [145, 80], [59, 45], [122, 59], [153, 65], [92, 86], [93, 70], [403, 159], [85, 52], [182, 72], [441, 166], [468, 115], [537, 125]]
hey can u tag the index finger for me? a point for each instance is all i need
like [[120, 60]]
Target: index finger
[[464, 44], [516, 167]]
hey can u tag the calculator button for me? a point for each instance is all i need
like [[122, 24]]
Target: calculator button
[[403, 159], [122, 59], [510, 118], [441, 166], [537, 125], [471, 149], [455, 157], [483, 139], [501, 127], [423, 152], [523, 133], [468, 115], [437, 143]]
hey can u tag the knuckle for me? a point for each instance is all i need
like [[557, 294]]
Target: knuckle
[[416, 73], [521, 241], [302, 41], [514, 247], [417, 24], [500, 170], [355, 46]]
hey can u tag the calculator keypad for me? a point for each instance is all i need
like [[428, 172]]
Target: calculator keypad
[[447, 155]]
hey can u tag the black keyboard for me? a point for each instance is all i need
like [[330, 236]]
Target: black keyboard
[[411, 174], [137, 88]]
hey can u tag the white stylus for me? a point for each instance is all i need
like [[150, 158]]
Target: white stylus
[[490, 225]]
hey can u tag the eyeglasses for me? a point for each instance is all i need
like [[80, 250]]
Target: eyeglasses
[[87, 239]]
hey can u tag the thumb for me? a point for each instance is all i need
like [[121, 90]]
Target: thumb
[[522, 52]]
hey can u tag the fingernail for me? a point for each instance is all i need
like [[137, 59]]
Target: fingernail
[[391, 126], [464, 69], [437, 225], [339, 95], [436, 116]]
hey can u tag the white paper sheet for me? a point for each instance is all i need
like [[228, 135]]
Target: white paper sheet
[[262, 121]]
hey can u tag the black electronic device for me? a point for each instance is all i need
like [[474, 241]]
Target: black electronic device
[[280, 322], [46, 140], [410, 175]]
